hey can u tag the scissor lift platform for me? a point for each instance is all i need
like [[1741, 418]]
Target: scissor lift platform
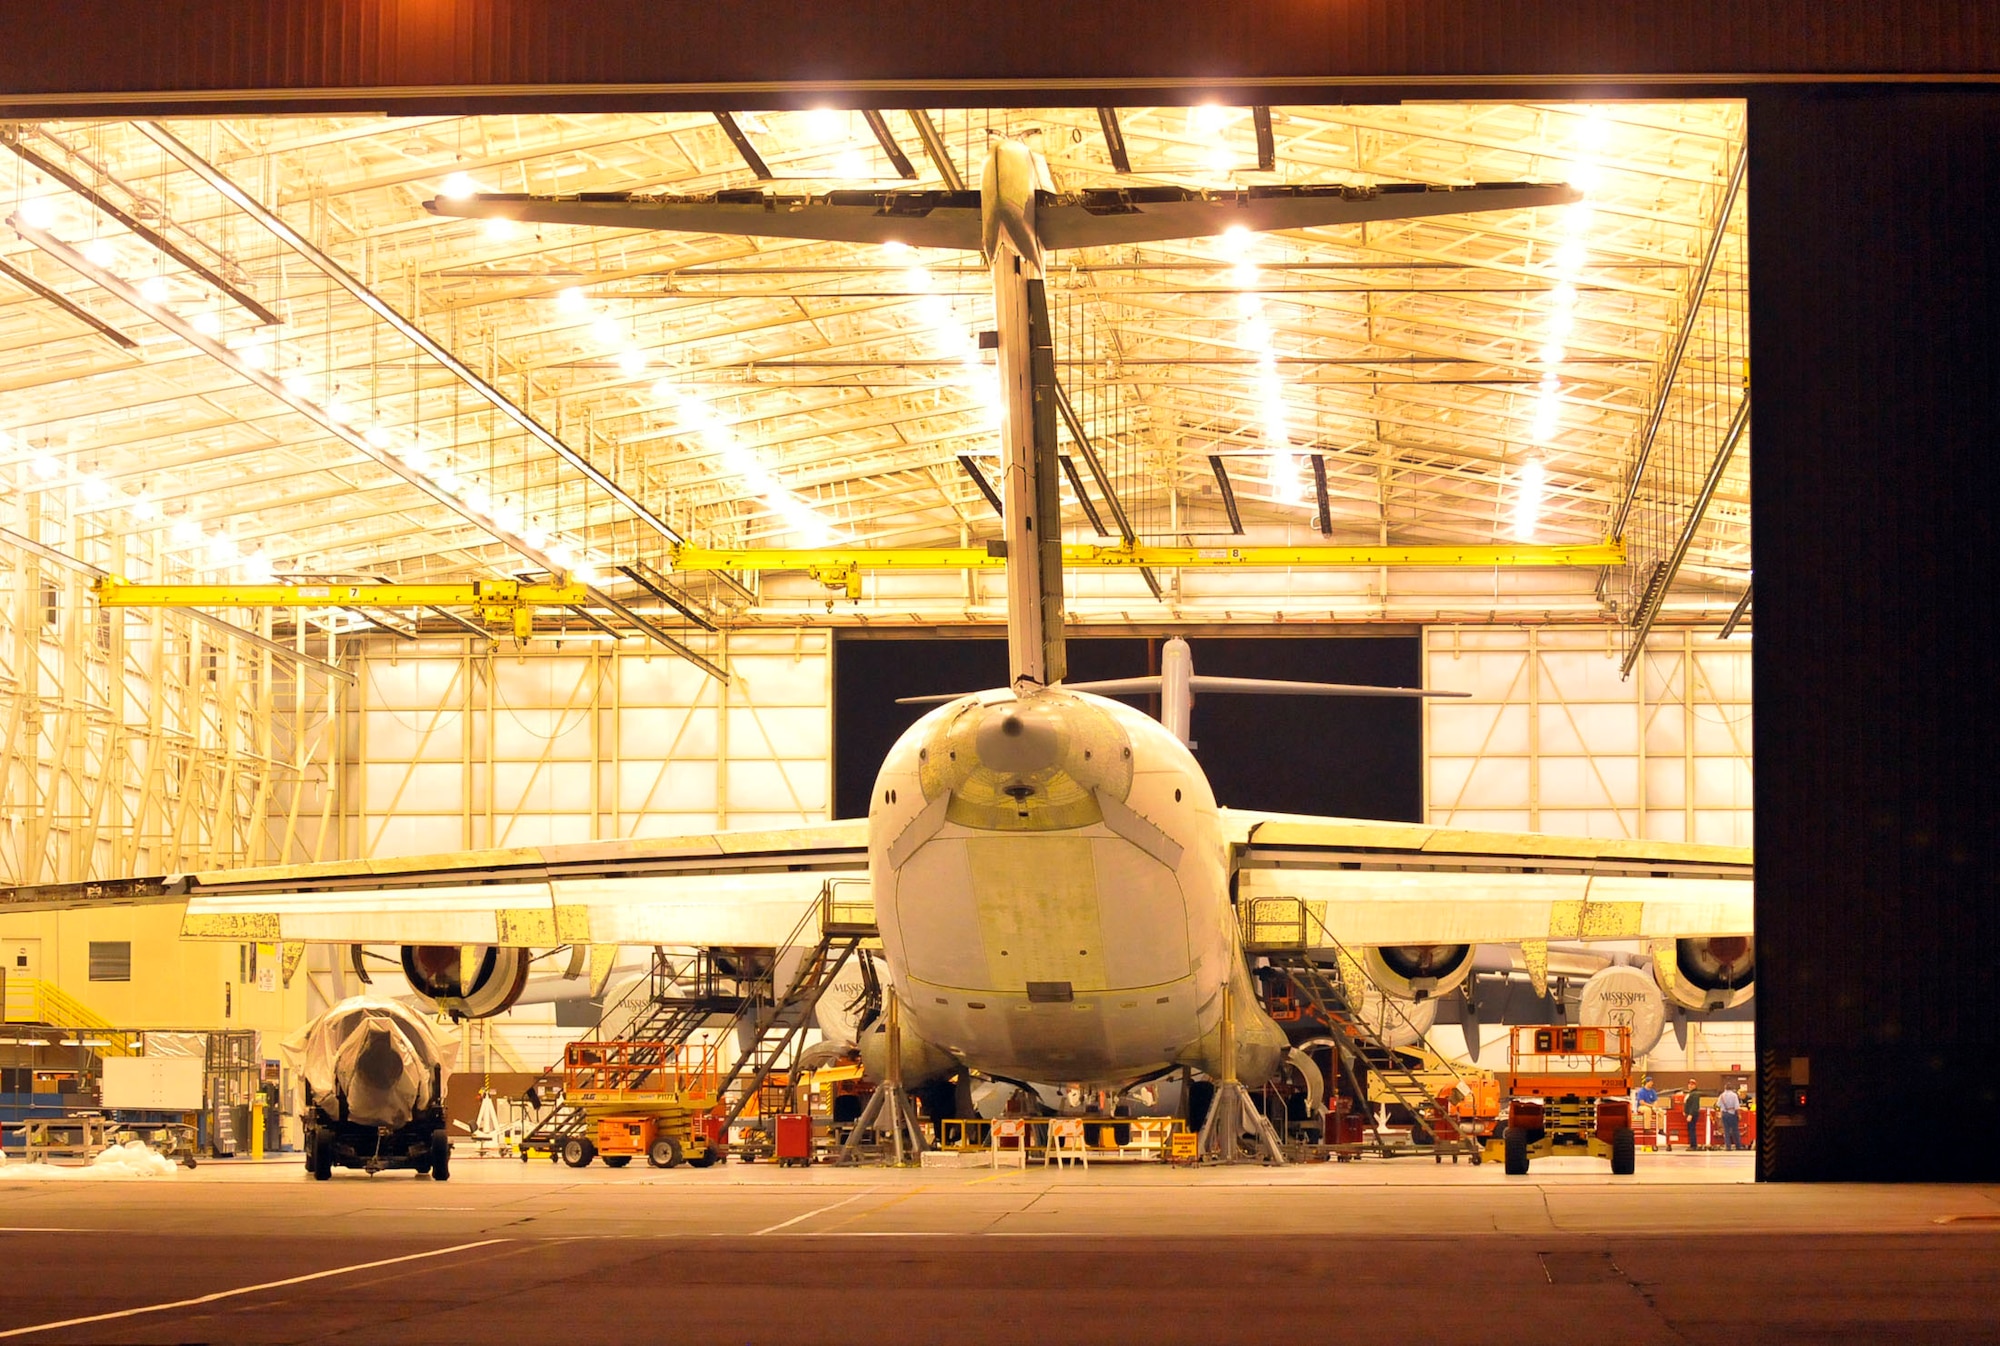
[[1568, 1091]]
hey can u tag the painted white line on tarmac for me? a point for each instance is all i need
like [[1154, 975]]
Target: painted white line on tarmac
[[246, 1289], [787, 1224], [50, 1229]]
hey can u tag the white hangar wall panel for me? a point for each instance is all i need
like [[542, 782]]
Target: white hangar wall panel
[[1552, 740], [455, 746]]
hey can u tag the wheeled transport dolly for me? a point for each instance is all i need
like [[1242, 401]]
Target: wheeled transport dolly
[[332, 1141]]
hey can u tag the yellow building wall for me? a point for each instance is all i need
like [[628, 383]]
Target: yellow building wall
[[176, 983]]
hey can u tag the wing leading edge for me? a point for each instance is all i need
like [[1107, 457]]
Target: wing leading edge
[[1381, 883], [723, 888]]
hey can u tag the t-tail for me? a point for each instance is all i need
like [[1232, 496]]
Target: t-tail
[[1016, 215]]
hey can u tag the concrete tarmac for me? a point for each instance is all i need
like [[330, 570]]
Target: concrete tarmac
[[1689, 1251]]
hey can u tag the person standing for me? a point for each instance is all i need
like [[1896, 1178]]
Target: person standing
[[1691, 1110], [1730, 1105]]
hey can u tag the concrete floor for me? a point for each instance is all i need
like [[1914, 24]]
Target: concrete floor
[[1689, 1251]]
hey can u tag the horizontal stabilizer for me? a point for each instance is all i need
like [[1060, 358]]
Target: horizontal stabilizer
[[922, 219], [937, 700], [1200, 684], [1108, 216], [1096, 217]]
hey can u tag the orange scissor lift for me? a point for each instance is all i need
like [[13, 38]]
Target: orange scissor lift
[[1568, 1091], [641, 1098]]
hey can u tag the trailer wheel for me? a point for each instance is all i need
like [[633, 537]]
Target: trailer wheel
[[578, 1152], [1624, 1152], [616, 1160], [322, 1154], [440, 1155], [664, 1152], [1516, 1141]]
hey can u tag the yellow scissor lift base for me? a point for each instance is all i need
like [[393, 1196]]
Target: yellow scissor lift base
[[649, 1099]]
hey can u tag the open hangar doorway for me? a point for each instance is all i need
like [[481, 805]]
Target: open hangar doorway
[[1455, 381]]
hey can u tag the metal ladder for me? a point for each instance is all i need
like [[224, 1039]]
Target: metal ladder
[[779, 1018], [682, 999], [1277, 929]]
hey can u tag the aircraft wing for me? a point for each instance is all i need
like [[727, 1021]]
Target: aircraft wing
[[1381, 883], [922, 219], [746, 888], [1113, 215]]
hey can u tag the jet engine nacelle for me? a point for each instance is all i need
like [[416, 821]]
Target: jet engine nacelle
[[1712, 972], [1625, 996], [1417, 971], [849, 1006], [923, 1062], [470, 982]]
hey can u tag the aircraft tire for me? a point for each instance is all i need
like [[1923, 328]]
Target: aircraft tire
[[1624, 1152], [578, 1152], [664, 1153], [1516, 1142], [322, 1154], [440, 1156], [617, 1160]]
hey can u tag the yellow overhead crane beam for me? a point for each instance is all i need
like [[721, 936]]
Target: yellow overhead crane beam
[[1087, 556], [840, 567], [500, 603], [508, 603]]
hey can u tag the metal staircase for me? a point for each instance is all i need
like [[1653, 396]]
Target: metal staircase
[[678, 996], [770, 1026], [1286, 933], [766, 1018], [32, 1000]]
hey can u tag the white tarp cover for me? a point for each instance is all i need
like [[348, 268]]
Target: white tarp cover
[[377, 1054], [133, 1159]]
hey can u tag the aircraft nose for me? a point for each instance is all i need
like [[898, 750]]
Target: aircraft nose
[[1018, 742]]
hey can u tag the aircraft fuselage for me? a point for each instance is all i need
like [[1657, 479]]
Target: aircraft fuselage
[[1052, 888]]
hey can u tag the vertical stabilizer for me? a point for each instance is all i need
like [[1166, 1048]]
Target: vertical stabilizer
[[1048, 571], [1028, 422], [1177, 688]]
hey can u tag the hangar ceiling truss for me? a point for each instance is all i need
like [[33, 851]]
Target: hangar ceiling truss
[[240, 348]]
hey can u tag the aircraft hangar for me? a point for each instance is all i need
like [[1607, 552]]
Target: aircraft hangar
[[482, 553]]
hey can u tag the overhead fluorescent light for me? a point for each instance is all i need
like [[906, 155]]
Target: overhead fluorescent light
[[1530, 486]]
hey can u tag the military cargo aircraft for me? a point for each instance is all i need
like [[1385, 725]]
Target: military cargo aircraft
[[1055, 884]]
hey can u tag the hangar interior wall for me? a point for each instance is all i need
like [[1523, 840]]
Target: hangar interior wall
[[453, 745], [1552, 740], [143, 741]]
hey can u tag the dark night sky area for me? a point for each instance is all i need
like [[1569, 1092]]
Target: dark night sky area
[[1354, 757]]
